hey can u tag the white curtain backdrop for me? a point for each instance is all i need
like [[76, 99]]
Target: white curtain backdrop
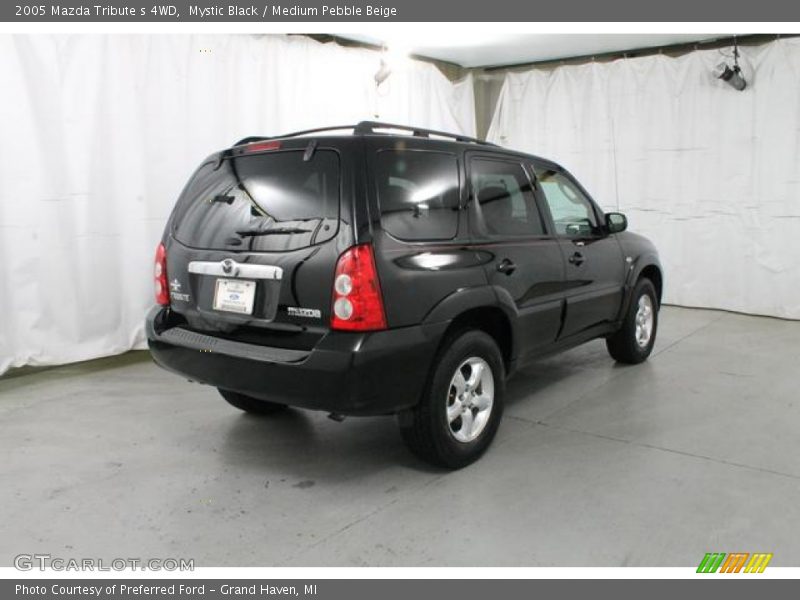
[[710, 174], [98, 134]]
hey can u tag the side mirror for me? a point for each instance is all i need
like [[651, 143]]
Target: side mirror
[[616, 222]]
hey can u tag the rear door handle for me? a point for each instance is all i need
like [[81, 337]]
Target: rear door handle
[[576, 259], [506, 266]]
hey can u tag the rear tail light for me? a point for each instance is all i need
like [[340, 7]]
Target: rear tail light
[[160, 274], [357, 300]]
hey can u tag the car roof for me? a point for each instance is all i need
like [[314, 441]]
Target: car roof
[[382, 131]]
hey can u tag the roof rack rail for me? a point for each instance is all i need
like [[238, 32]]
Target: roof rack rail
[[368, 128], [258, 138]]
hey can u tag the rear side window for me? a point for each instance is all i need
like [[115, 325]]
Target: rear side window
[[506, 198], [418, 193], [261, 202]]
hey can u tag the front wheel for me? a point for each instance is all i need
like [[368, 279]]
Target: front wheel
[[634, 342], [460, 411]]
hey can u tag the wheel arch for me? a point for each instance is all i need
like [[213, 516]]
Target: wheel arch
[[492, 321], [478, 308], [646, 266], [653, 272]]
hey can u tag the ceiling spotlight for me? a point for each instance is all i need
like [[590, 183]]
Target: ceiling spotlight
[[731, 75], [382, 74], [395, 58]]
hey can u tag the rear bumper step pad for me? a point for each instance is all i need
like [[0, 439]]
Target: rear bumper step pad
[[207, 343]]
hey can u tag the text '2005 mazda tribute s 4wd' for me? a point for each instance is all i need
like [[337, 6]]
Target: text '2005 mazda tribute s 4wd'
[[391, 271]]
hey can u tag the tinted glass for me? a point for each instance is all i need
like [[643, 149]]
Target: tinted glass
[[506, 199], [572, 212], [418, 194], [263, 202]]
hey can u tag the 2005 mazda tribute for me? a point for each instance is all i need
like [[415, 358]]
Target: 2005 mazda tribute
[[378, 269]]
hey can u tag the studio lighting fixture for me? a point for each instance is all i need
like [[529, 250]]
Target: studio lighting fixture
[[395, 58], [731, 75], [382, 74]]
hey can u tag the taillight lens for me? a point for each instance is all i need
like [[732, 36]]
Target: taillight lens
[[160, 274], [357, 300]]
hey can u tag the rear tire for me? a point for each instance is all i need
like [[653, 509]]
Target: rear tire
[[633, 343], [462, 406], [250, 404]]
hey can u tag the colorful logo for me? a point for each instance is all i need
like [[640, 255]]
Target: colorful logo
[[736, 562]]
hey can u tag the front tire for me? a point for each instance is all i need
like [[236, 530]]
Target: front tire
[[250, 404], [633, 343], [462, 406]]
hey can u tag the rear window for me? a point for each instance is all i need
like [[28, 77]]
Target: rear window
[[261, 202], [418, 192]]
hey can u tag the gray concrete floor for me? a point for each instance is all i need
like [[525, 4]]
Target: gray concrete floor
[[595, 465]]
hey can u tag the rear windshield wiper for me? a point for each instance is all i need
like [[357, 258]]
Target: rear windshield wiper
[[275, 231]]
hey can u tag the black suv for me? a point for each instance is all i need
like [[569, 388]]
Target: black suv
[[391, 270]]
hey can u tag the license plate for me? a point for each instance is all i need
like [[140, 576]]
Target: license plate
[[233, 295]]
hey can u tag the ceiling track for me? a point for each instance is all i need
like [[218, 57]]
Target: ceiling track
[[450, 69], [669, 49]]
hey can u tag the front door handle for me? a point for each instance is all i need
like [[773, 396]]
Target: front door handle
[[576, 259], [506, 266]]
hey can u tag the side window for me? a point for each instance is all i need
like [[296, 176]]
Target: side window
[[572, 211], [505, 197], [418, 192]]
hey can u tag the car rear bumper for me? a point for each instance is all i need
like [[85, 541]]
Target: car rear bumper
[[348, 373]]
